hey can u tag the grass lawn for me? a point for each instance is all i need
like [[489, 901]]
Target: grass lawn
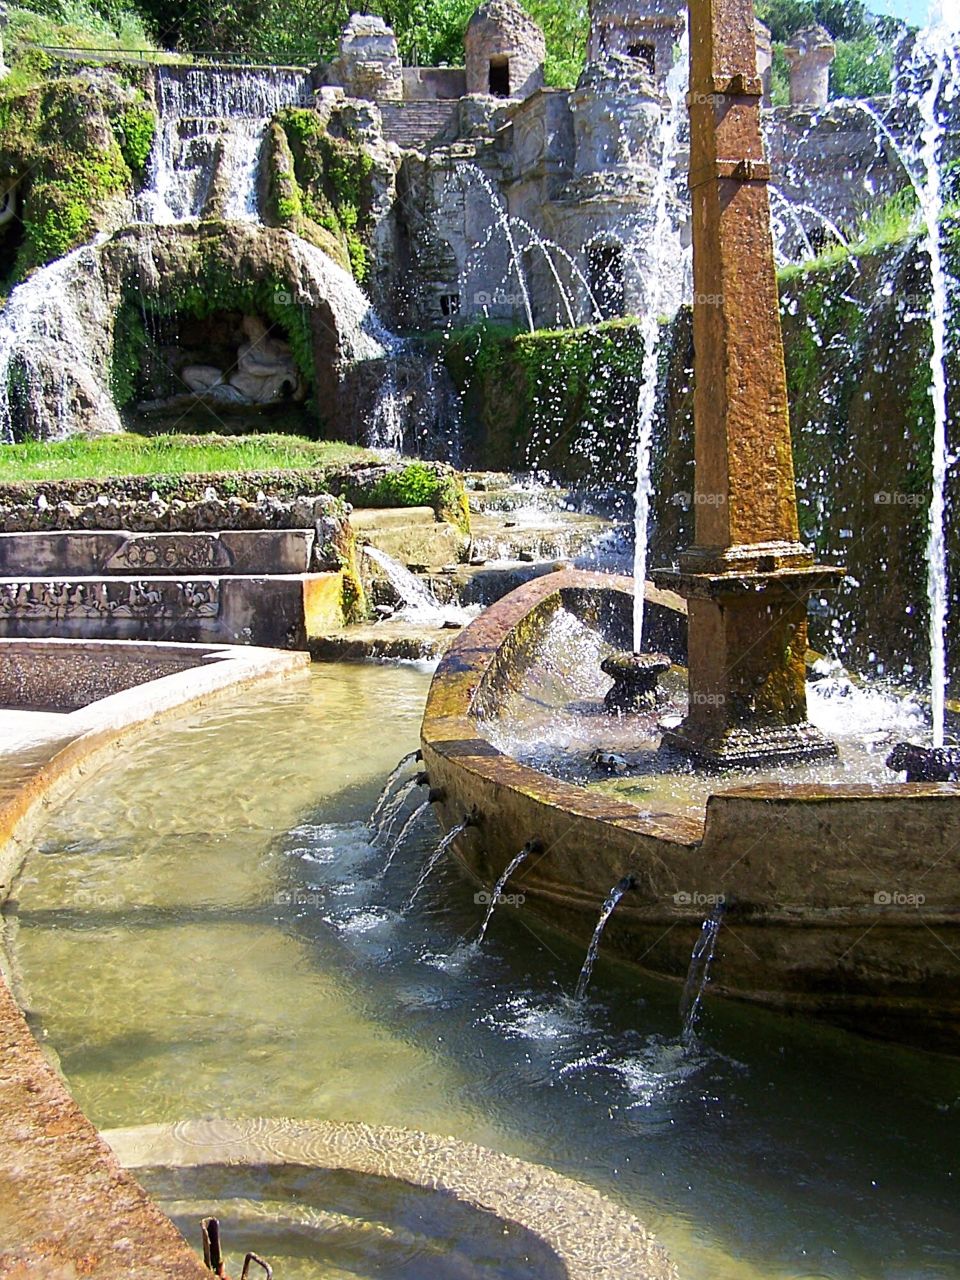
[[132, 455]]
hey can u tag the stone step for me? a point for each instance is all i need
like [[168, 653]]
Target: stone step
[[389, 517], [282, 611], [539, 536], [96, 552], [414, 125]]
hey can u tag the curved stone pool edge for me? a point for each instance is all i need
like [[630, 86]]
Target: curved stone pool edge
[[591, 1237], [66, 1205], [805, 867]]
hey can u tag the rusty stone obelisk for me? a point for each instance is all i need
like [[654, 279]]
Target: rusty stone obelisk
[[747, 577]]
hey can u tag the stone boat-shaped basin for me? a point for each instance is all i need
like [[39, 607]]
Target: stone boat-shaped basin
[[840, 899]]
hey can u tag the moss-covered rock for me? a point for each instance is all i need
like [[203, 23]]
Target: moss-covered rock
[[563, 401], [320, 186], [76, 147]]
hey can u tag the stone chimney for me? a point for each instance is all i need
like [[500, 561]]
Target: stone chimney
[[642, 31], [505, 51], [369, 63], [810, 57]]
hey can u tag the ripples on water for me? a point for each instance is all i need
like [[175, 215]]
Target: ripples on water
[[206, 931]]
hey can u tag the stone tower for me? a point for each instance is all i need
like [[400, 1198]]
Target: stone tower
[[645, 31], [505, 51], [369, 63], [810, 56]]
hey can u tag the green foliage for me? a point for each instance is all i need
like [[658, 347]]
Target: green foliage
[[135, 128], [861, 68], [844, 19], [559, 400], [894, 220], [53, 135], [81, 458], [328, 189]]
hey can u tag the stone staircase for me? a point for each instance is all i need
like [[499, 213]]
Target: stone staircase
[[241, 586], [414, 126]]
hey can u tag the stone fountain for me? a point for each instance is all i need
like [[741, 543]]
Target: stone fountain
[[840, 898]]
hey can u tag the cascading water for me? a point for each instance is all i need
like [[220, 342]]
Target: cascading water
[[212, 126], [405, 830], [420, 605], [496, 896], [388, 786], [664, 285], [606, 911], [937, 47], [434, 859], [44, 333], [698, 973]]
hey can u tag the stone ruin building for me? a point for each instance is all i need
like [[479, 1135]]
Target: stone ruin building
[[496, 169]]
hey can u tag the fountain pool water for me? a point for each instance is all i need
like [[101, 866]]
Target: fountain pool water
[[236, 840], [553, 719]]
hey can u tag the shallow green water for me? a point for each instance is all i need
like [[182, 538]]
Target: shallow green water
[[205, 930]]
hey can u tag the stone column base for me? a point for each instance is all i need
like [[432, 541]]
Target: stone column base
[[739, 747]]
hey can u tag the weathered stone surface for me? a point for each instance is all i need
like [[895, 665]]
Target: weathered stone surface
[[568, 1229], [369, 63], [747, 576], [505, 51], [810, 57]]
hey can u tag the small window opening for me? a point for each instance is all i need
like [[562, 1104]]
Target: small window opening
[[500, 77], [645, 54], [450, 304], [606, 268]]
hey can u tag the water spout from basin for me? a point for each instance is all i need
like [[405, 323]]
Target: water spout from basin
[[698, 974], [405, 830], [532, 846], [392, 812], [606, 911], [437, 854], [394, 777]]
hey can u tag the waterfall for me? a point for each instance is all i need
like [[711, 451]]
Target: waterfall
[[664, 276], [420, 605], [54, 333], [606, 911], [212, 126], [699, 972]]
